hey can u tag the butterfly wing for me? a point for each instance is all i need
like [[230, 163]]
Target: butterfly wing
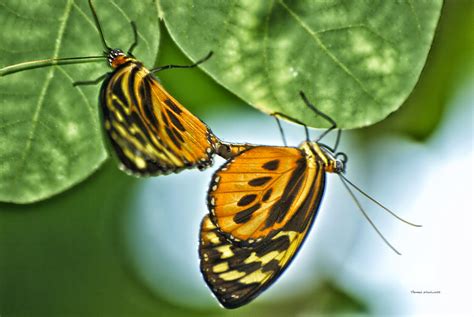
[[254, 195], [236, 274], [150, 131]]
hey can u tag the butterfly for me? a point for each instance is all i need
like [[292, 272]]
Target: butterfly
[[150, 132], [262, 203]]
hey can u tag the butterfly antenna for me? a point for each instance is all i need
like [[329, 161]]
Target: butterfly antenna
[[320, 113], [366, 216], [48, 62], [205, 58], [279, 114], [165, 67], [59, 61], [99, 28], [379, 204]]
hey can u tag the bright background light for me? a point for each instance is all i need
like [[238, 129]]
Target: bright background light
[[428, 183]]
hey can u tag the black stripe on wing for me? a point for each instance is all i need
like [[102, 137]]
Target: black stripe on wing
[[189, 135], [279, 209], [128, 133], [236, 275]]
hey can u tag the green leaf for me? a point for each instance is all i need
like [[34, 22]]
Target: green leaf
[[50, 132], [356, 60], [441, 81]]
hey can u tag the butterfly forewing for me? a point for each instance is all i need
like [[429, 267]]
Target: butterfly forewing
[[238, 274], [255, 194], [150, 131]]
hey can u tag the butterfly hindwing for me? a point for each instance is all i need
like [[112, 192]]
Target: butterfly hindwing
[[151, 133], [238, 274], [254, 195]]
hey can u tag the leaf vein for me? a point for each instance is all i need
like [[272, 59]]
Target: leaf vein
[[81, 92], [13, 123], [40, 103], [417, 19], [325, 49], [266, 64]]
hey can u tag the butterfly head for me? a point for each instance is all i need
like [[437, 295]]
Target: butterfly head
[[116, 57], [336, 162], [339, 164]]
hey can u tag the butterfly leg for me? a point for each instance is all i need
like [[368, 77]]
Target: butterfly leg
[[282, 115], [322, 114], [155, 70], [281, 130], [90, 82], [338, 138], [135, 38], [336, 144]]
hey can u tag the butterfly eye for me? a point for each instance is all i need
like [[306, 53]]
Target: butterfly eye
[[340, 167], [341, 162]]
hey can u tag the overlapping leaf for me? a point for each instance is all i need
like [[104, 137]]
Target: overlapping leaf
[[357, 60], [50, 132]]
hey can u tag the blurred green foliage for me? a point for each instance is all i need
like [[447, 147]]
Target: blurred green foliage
[[64, 257]]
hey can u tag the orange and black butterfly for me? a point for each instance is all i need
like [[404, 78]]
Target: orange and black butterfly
[[262, 204], [150, 131]]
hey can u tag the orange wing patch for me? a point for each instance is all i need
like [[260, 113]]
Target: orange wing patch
[[182, 131], [150, 131], [255, 194]]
